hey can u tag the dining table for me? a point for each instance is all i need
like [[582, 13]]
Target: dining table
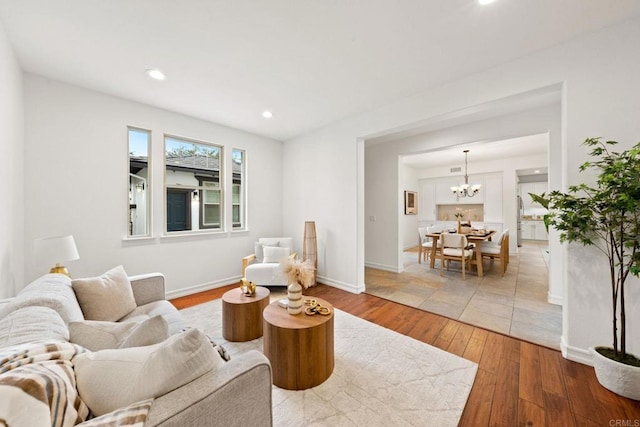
[[474, 236]]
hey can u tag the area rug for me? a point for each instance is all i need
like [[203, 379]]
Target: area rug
[[380, 378]]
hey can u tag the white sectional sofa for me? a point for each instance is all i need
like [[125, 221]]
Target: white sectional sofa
[[200, 390]]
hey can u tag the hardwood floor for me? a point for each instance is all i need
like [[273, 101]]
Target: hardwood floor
[[518, 383]]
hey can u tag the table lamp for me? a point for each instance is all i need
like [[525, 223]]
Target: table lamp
[[56, 250]]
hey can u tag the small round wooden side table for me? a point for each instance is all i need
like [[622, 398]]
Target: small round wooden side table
[[242, 315], [300, 347]]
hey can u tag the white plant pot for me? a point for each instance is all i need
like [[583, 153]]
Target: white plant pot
[[615, 376]]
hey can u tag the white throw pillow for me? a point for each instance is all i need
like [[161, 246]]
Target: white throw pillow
[[272, 254], [151, 331], [258, 249], [108, 297], [133, 415], [112, 379], [97, 335]]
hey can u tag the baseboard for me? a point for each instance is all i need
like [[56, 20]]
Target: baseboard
[[554, 299], [384, 267], [232, 280], [348, 287], [574, 353], [202, 287]]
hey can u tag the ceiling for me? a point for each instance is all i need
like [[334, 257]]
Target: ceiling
[[486, 151], [311, 62]]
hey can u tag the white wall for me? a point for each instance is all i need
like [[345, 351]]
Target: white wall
[[408, 223], [76, 174], [599, 73], [318, 177], [11, 168]]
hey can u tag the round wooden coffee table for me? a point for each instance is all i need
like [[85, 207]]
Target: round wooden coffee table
[[299, 347], [242, 315]]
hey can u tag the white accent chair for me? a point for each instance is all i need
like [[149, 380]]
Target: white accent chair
[[498, 249], [425, 244], [263, 266], [455, 247]]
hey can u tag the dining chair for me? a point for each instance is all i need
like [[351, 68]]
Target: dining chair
[[498, 249], [455, 247], [426, 243]]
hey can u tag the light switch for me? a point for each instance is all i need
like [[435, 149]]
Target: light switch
[[372, 218]]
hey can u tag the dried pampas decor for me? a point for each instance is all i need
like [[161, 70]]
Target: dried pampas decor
[[299, 274]]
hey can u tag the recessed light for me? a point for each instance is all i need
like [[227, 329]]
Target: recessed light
[[483, 2], [536, 171], [267, 114], [156, 74]]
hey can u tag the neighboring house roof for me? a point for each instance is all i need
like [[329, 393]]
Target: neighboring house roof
[[193, 163], [207, 163]]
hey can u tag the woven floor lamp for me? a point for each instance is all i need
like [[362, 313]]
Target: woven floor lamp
[[310, 247]]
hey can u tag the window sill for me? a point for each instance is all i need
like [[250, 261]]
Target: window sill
[[138, 238], [239, 231], [200, 234]]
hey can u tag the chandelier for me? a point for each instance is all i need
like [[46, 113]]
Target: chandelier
[[465, 190]]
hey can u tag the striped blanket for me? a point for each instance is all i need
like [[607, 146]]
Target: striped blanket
[[38, 386]]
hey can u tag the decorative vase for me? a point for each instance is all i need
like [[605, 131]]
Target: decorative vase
[[294, 296], [310, 248], [459, 227], [620, 378]]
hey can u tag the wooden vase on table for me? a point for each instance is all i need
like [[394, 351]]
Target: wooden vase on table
[[459, 227]]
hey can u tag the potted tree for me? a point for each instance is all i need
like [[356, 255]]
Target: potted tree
[[607, 216]]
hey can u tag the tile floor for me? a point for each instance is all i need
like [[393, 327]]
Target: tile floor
[[515, 304]]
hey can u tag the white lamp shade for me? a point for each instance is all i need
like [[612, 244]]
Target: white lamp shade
[[54, 250]]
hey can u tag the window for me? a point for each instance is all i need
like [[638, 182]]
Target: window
[[211, 206], [139, 191], [238, 218], [193, 184]]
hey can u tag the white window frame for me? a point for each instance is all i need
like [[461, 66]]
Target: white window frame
[[143, 186], [195, 187], [242, 200]]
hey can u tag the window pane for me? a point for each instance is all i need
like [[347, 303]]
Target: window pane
[[139, 205], [236, 214], [238, 193], [211, 196], [212, 214], [194, 167]]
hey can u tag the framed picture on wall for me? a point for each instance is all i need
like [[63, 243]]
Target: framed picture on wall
[[410, 203]]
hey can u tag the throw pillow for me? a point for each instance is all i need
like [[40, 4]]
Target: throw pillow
[[108, 297], [151, 331], [133, 415], [272, 254], [258, 249], [97, 335], [112, 379]]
